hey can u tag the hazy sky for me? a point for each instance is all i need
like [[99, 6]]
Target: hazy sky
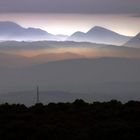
[[71, 6], [68, 16]]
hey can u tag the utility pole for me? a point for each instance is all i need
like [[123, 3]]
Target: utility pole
[[37, 97]]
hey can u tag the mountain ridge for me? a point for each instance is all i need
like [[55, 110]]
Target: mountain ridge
[[99, 34], [13, 31]]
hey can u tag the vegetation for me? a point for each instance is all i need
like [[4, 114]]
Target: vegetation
[[71, 121]]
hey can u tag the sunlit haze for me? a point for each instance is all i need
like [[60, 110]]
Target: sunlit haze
[[67, 24]]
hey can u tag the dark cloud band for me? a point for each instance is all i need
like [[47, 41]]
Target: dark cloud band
[[70, 6]]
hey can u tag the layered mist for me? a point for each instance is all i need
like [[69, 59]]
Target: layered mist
[[68, 70]]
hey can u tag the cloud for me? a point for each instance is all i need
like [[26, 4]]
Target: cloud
[[70, 6]]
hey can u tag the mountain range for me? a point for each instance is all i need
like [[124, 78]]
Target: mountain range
[[13, 31], [100, 35]]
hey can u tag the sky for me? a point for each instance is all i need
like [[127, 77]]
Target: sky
[[68, 16], [70, 6]]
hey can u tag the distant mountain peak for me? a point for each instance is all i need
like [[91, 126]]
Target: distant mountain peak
[[79, 33], [134, 42], [12, 31], [98, 29], [138, 35], [101, 35], [9, 24]]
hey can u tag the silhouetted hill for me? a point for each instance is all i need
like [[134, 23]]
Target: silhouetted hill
[[100, 35], [134, 42], [71, 121], [100, 77]]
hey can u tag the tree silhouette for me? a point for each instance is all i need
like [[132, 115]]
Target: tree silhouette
[[71, 121]]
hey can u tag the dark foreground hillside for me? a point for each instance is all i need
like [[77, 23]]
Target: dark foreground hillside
[[71, 121]]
